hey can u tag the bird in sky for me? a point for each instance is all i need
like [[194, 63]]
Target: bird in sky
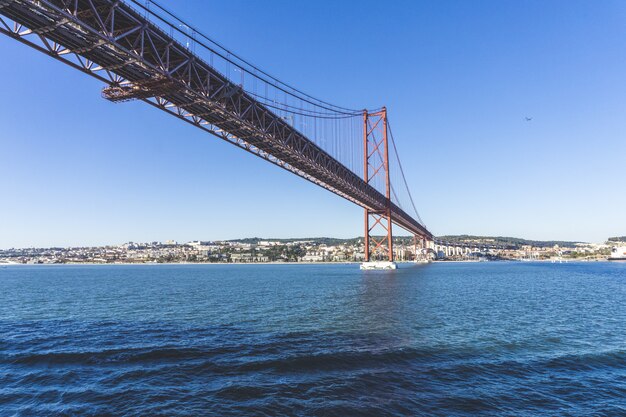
[[528, 119]]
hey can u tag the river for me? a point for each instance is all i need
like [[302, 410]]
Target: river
[[444, 339]]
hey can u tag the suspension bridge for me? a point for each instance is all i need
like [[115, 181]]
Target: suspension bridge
[[142, 51]]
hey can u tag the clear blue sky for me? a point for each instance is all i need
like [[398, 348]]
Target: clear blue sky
[[458, 78]]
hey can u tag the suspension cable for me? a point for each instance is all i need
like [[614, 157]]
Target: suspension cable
[[276, 84], [395, 149], [301, 111]]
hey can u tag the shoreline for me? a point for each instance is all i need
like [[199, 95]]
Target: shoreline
[[182, 263], [290, 263], [212, 263]]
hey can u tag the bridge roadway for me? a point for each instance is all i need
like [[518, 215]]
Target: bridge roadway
[[115, 43]]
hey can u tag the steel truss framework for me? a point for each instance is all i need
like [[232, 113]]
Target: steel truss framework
[[114, 43]]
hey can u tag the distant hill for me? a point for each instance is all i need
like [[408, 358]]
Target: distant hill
[[317, 240], [617, 239], [508, 242], [512, 242]]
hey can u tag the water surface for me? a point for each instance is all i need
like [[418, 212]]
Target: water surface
[[518, 339]]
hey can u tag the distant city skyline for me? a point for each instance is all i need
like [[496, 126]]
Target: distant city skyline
[[460, 81], [397, 237], [305, 250]]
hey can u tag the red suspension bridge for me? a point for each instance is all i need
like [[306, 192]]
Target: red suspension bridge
[[142, 51]]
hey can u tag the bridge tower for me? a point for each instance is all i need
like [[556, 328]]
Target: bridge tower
[[376, 171]]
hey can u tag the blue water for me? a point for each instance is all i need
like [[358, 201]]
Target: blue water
[[501, 339]]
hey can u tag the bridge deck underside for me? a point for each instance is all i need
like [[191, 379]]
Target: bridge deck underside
[[121, 47]]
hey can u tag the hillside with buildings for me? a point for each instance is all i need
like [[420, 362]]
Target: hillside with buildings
[[320, 249], [509, 242]]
